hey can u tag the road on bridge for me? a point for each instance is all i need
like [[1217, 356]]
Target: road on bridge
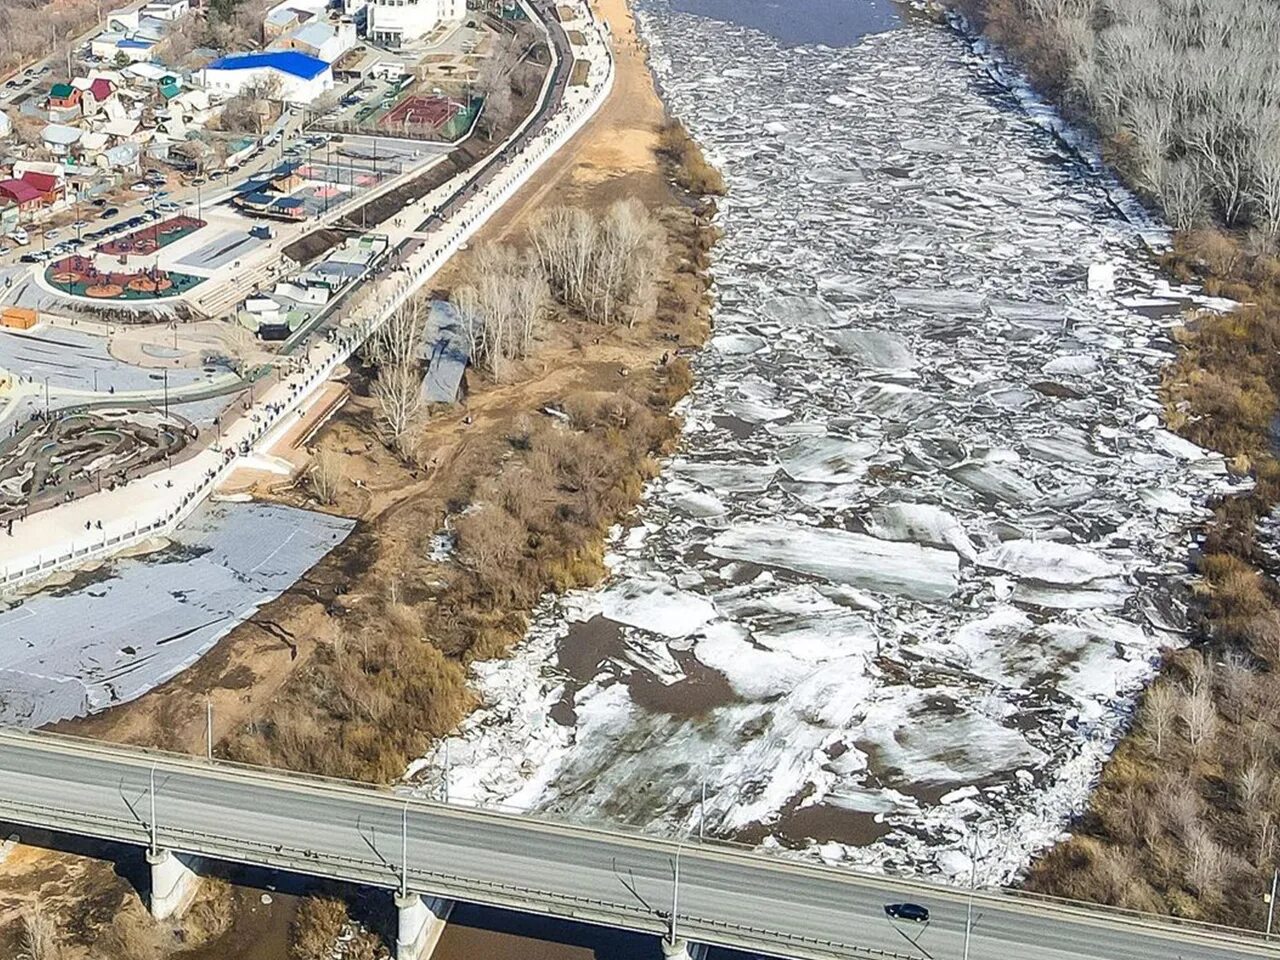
[[727, 895]]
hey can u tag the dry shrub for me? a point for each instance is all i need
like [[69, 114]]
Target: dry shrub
[[689, 167], [316, 927], [531, 519]]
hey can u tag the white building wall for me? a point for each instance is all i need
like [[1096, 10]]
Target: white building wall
[[409, 19], [230, 83]]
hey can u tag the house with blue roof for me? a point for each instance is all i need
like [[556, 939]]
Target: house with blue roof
[[287, 75]]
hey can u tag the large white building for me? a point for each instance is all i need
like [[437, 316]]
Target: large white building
[[396, 22], [296, 77]]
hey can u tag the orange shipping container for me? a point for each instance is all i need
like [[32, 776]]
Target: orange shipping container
[[18, 318]]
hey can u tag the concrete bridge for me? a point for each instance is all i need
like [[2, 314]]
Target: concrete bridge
[[691, 894]]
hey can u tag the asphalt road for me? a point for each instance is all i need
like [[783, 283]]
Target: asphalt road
[[728, 896]]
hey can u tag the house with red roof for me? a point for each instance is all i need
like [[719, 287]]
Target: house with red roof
[[22, 194], [31, 191], [99, 92]]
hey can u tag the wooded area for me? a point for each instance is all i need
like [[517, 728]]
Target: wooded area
[[1185, 94]]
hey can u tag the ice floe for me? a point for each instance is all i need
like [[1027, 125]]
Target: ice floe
[[926, 536]]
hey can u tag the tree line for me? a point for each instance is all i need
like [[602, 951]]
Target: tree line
[[1184, 93]]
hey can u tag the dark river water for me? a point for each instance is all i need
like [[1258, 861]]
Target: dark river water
[[836, 23]]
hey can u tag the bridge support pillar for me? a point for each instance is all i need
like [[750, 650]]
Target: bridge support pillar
[[421, 923], [681, 949], [173, 883]]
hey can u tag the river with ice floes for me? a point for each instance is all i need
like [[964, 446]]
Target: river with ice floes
[[925, 535]]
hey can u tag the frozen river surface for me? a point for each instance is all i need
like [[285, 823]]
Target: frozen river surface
[[926, 535]]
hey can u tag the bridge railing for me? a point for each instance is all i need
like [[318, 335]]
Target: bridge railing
[[397, 796], [379, 873]]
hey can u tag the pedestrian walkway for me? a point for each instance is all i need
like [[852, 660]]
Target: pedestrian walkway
[[104, 523]]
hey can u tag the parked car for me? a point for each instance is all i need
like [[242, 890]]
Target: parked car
[[80, 224], [911, 912], [199, 181], [99, 201], [28, 258], [109, 213], [217, 175], [19, 236], [141, 187], [52, 234], [168, 207]]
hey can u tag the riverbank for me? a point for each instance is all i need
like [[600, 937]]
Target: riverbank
[[1183, 817]]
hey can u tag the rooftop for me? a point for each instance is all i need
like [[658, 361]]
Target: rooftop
[[286, 61], [314, 34], [60, 133]]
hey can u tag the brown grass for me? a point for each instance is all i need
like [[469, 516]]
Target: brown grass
[[1184, 819], [690, 167]]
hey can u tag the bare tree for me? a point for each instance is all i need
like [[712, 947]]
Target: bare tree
[[1199, 716], [602, 268], [325, 475], [1159, 711], [397, 394], [399, 338], [1264, 187]]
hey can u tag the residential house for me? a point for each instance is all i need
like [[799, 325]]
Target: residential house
[[95, 97], [21, 195], [134, 49], [123, 157], [121, 130], [324, 41], [289, 14], [92, 144], [122, 21], [166, 9], [59, 138], [63, 96], [104, 45], [31, 191]]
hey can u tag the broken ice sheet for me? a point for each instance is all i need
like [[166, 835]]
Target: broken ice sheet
[[930, 566]]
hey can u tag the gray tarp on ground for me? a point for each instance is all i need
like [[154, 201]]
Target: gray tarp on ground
[[446, 350], [67, 653]]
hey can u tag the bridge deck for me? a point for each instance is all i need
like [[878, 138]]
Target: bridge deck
[[728, 896]]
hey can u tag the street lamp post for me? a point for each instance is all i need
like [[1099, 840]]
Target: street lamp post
[[151, 795], [404, 850]]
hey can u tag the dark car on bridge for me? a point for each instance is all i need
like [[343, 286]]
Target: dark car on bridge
[[907, 911]]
